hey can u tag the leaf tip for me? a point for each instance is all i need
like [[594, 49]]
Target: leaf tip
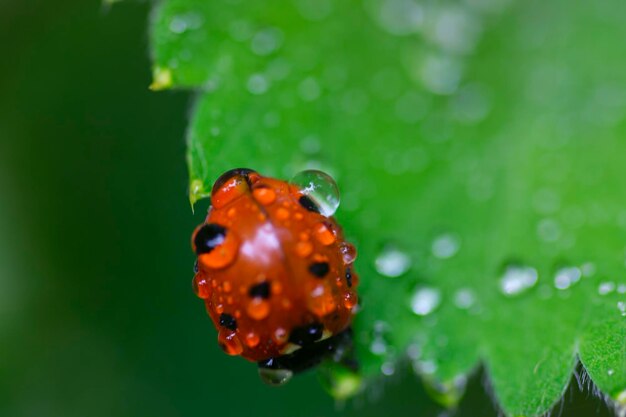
[[161, 77], [196, 192]]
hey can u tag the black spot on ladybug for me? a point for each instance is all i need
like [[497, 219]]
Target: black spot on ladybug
[[237, 172], [319, 269], [261, 290], [228, 321], [209, 237], [195, 266], [306, 335], [308, 204], [349, 277]]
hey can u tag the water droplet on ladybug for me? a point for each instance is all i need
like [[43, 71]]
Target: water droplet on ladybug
[[280, 335], [321, 302], [252, 339], [201, 286], [232, 185], [258, 308], [222, 254], [229, 342], [303, 249], [350, 299], [282, 213], [323, 234], [264, 195], [348, 251], [320, 188], [275, 377]]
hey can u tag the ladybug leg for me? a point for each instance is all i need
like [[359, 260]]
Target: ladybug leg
[[338, 348]]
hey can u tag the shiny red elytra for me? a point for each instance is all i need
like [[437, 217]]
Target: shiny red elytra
[[275, 274]]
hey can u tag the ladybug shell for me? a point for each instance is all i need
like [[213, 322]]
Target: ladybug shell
[[274, 273]]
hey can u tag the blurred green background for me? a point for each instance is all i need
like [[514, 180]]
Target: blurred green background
[[97, 316]]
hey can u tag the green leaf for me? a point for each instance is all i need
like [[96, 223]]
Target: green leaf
[[479, 147]]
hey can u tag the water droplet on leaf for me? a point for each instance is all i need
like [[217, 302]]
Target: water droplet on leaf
[[517, 279], [392, 262], [425, 300]]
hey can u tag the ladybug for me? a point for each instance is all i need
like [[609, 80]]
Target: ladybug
[[275, 274]]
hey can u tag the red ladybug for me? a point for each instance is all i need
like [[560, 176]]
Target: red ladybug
[[275, 274]]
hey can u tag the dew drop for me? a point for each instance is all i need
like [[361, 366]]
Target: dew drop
[[229, 342], [392, 262], [398, 17], [588, 269], [350, 300], [548, 230], [566, 277], [320, 301], [323, 234], [425, 300], [280, 335], [201, 286], [266, 41], [309, 89], [348, 251], [464, 298], [610, 372], [379, 345], [275, 377], [319, 187], [181, 23], [621, 288], [303, 249], [223, 254], [258, 84], [264, 195], [425, 367], [388, 368], [621, 306], [445, 246], [606, 287], [517, 279], [441, 74], [258, 308], [252, 339]]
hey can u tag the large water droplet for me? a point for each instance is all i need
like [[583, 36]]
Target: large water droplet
[[275, 376], [566, 277], [517, 279], [319, 187], [445, 246], [392, 262], [425, 300]]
